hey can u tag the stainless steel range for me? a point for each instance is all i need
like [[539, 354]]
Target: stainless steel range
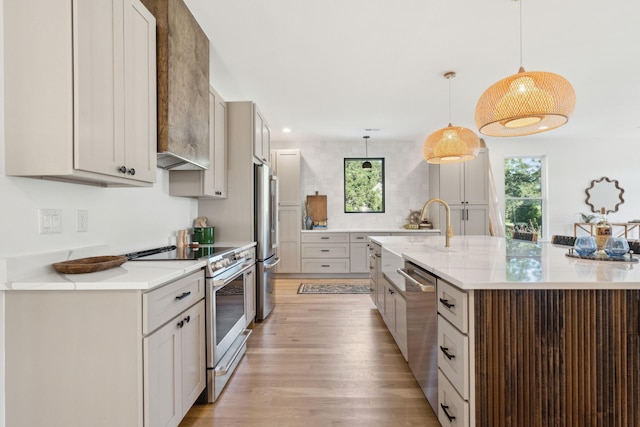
[[230, 272]]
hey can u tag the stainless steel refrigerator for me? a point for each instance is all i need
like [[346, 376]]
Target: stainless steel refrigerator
[[266, 235]]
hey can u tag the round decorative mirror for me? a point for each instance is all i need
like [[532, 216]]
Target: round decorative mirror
[[604, 193]]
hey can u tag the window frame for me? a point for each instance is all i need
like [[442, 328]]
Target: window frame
[[543, 193], [382, 181]]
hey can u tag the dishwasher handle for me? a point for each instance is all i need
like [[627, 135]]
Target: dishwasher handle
[[423, 287]]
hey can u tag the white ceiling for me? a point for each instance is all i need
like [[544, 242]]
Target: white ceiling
[[331, 69]]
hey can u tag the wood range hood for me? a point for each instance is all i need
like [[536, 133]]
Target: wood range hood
[[183, 87]]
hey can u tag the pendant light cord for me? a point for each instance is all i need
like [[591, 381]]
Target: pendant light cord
[[449, 100], [520, 1]]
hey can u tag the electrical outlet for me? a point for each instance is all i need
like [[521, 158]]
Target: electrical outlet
[[82, 221], [50, 221]]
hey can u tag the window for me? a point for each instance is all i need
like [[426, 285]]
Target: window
[[524, 195], [364, 188]]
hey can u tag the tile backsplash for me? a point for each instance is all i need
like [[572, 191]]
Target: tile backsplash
[[406, 180]]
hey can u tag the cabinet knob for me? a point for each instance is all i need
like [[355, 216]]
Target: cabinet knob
[[181, 324], [187, 319], [122, 169], [132, 171]]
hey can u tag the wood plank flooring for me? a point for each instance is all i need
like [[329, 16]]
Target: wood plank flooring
[[319, 360]]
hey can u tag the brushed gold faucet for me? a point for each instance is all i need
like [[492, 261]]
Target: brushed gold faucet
[[449, 231]]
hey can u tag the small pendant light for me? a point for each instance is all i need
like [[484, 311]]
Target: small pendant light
[[452, 144], [525, 103], [366, 164]]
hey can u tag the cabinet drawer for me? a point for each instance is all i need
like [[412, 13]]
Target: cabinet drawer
[[453, 305], [453, 356], [165, 302], [311, 250], [322, 237], [359, 237], [453, 410], [328, 265]]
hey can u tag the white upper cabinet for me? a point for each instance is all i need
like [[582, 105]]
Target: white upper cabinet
[[465, 182], [261, 137], [465, 187], [80, 103]]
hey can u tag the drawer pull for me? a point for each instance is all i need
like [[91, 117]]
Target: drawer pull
[[184, 295], [324, 250], [444, 408], [446, 303], [325, 265], [187, 319], [324, 238], [181, 324], [445, 350]]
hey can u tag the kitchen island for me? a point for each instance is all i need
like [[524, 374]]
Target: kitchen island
[[546, 340]]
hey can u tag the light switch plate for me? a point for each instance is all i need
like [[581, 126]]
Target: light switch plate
[[82, 221], [50, 221]]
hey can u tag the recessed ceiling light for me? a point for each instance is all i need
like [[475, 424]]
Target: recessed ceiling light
[[286, 130]]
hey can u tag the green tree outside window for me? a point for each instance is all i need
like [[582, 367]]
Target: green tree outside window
[[523, 193]]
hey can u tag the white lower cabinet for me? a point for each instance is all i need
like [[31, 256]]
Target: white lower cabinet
[[325, 253], [455, 370], [174, 357], [174, 367], [105, 358], [394, 313], [453, 410]]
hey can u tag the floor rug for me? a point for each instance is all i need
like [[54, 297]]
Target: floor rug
[[333, 288]]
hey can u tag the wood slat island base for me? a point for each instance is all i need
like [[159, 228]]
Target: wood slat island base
[[557, 357]]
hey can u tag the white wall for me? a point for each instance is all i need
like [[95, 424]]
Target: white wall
[[406, 180], [125, 219], [571, 166]]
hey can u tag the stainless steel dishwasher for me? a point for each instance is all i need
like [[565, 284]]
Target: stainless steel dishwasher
[[422, 329]]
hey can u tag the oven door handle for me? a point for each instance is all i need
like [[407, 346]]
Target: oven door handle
[[223, 371], [273, 264], [240, 272]]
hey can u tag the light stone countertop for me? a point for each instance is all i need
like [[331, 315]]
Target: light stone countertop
[[34, 272], [372, 231], [484, 262]]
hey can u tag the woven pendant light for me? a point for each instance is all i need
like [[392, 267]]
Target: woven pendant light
[[452, 144], [525, 103]]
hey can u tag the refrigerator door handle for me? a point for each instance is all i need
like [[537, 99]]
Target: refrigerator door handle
[[276, 212], [272, 264]]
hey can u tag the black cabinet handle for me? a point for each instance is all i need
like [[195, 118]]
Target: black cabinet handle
[[324, 238], [446, 303], [122, 169], [132, 171], [391, 291], [181, 324], [444, 408], [183, 296], [325, 265], [187, 319], [445, 350], [324, 250]]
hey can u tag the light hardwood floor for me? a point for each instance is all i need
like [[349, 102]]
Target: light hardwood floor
[[319, 360]]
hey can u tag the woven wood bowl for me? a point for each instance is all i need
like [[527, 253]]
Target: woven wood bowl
[[89, 265]]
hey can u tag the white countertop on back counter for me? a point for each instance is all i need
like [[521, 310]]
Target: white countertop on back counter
[[34, 272], [484, 262], [373, 231]]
